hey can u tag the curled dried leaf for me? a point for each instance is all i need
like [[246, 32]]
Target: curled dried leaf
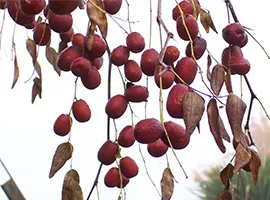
[[31, 48], [217, 79], [242, 157], [224, 133], [62, 154], [228, 82], [73, 174], [167, 184], [193, 108], [224, 195], [235, 109], [16, 72], [71, 188], [51, 56], [209, 63], [37, 68], [206, 21], [90, 36], [254, 164], [96, 13], [36, 89], [214, 124], [226, 174]]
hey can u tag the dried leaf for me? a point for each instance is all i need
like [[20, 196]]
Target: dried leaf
[[90, 36], [16, 72], [31, 48], [228, 82], [193, 108], [95, 11], [235, 109], [214, 124], [254, 164], [224, 195], [167, 184], [37, 89], [51, 56], [71, 188], [209, 63], [242, 157], [37, 68], [62, 154], [224, 133], [196, 7], [62, 45], [217, 79], [226, 174], [207, 21]]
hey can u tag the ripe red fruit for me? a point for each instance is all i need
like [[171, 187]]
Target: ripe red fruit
[[80, 66], [60, 23], [135, 42], [107, 152], [98, 48], [199, 47], [31, 25], [239, 65], [92, 79], [62, 125], [132, 70], [186, 7], [125, 181], [81, 111], [244, 42], [46, 11], [192, 27], [168, 78], [3, 4], [171, 55], [119, 55], [148, 130], [67, 36], [128, 167], [234, 34], [112, 177], [186, 68], [97, 62], [32, 7], [126, 136], [78, 40], [67, 56], [136, 93], [230, 51], [112, 6], [63, 7], [177, 135], [116, 106], [42, 34], [149, 61], [15, 12], [157, 148], [174, 100]]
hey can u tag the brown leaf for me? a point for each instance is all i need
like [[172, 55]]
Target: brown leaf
[[209, 63], [228, 82], [167, 184], [71, 188], [90, 36], [193, 108], [95, 11], [226, 174], [62, 154], [224, 195], [37, 89], [16, 72], [31, 48], [207, 21], [197, 7], [62, 45], [224, 133], [51, 56], [242, 157], [217, 79], [37, 68], [214, 124], [39, 19], [254, 164], [235, 109]]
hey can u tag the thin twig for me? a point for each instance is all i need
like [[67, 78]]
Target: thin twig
[[95, 182]]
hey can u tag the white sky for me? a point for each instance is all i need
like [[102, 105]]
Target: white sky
[[28, 142]]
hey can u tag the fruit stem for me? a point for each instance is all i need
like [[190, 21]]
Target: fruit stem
[[95, 182], [128, 16]]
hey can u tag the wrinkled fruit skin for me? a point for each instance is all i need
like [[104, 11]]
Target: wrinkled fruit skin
[[107, 152], [239, 65], [186, 68], [157, 148], [192, 26], [186, 7], [126, 136], [135, 42], [81, 111], [167, 77], [120, 55], [199, 47], [63, 7], [112, 6], [116, 106], [136, 94], [174, 100], [42, 34], [149, 61], [148, 130], [235, 34], [177, 135], [92, 79], [128, 167], [62, 125], [132, 70]]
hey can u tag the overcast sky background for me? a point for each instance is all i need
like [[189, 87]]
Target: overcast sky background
[[28, 143]]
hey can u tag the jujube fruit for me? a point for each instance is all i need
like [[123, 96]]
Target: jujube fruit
[[135, 42], [63, 7], [120, 55], [62, 125], [132, 71], [167, 77], [171, 55], [92, 79], [116, 106], [136, 93], [199, 47], [126, 136], [107, 152], [157, 148], [60, 23], [149, 60], [186, 68], [234, 34], [191, 25], [112, 6], [42, 34], [32, 7], [98, 48], [81, 111], [67, 36], [78, 40], [80, 66], [128, 167], [186, 7]]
